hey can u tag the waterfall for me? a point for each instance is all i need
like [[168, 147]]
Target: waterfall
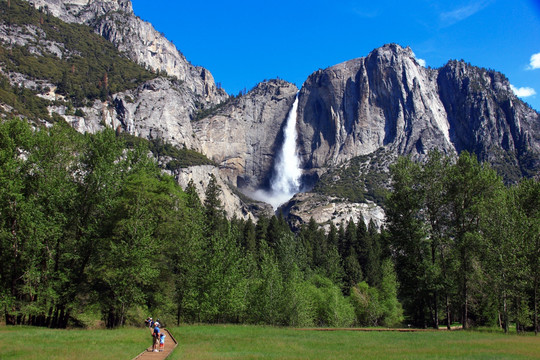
[[285, 181]]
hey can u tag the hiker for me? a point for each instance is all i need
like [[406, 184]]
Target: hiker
[[155, 337], [147, 321], [162, 342]]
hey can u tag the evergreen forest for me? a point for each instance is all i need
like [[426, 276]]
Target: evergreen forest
[[90, 227]]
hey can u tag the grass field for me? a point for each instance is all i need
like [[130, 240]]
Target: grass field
[[25, 342], [254, 342], [247, 342]]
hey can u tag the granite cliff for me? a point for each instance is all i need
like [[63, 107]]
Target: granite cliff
[[387, 99], [385, 105], [116, 22], [244, 135]]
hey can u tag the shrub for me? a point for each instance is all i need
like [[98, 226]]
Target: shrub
[[331, 307]]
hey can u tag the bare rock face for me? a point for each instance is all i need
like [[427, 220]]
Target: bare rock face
[[157, 109], [388, 100], [487, 119], [384, 99], [243, 136], [160, 108]]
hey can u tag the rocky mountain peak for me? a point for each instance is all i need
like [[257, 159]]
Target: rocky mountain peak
[[137, 39], [388, 99], [72, 10], [487, 119], [390, 53], [474, 79], [350, 115], [383, 99], [386, 104]]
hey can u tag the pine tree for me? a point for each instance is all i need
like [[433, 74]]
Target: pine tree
[[213, 207], [372, 268], [250, 237], [193, 200]]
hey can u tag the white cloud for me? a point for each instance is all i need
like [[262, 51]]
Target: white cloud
[[523, 91], [422, 62], [454, 16], [535, 61]]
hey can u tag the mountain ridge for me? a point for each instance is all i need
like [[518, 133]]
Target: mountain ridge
[[384, 100], [138, 39]]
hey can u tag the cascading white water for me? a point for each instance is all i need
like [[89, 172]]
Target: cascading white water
[[287, 171], [286, 179]]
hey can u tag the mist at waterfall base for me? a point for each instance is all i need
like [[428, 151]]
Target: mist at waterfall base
[[285, 181]]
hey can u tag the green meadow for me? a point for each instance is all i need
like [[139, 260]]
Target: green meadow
[[27, 342], [257, 342]]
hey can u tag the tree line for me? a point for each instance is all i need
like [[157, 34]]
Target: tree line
[[466, 246], [91, 228]]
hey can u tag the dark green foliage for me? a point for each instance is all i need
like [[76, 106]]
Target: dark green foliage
[[89, 223], [461, 244], [23, 101], [203, 112], [505, 163], [180, 157], [360, 179], [213, 207], [90, 67], [372, 255], [529, 163], [249, 240]]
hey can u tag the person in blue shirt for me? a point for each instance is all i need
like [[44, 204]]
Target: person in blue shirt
[[155, 336], [162, 342]]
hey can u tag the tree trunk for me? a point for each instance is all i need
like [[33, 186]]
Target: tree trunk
[[436, 310], [49, 317], [435, 294], [505, 314], [178, 313], [535, 305], [54, 321], [465, 314], [448, 314], [61, 318]]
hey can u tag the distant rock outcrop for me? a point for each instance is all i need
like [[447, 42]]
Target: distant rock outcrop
[[158, 109], [327, 209], [487, 119]]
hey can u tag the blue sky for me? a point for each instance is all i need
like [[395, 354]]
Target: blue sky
[[245, 42]]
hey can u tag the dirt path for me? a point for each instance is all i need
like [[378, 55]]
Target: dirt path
[[170, 344]]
